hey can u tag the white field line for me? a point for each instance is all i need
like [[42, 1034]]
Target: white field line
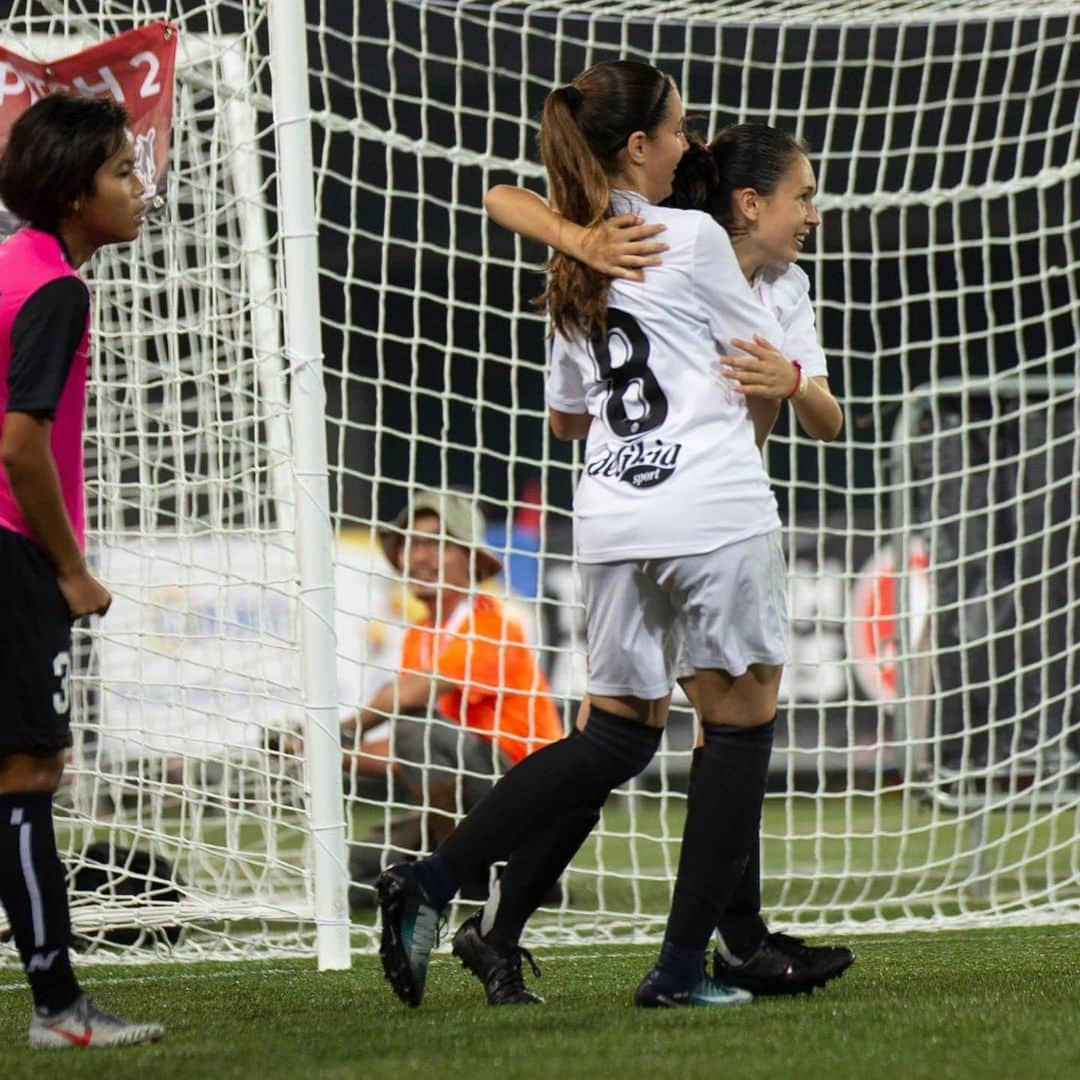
[[181, 974], [553, 954]]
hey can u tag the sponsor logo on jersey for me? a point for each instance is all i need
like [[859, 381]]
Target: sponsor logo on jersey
[[643, 464]]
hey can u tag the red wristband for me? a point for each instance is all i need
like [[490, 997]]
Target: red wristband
[[798, 380]]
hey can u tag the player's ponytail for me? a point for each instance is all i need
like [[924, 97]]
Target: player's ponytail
[[582, 129], [579, 189], [740, 156], [698, 184]]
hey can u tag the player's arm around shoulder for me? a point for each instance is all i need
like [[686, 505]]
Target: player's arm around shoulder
[[619, 247]]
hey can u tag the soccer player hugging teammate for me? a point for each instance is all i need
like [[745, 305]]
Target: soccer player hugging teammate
[[68, 172], [676, 536], [757, 182]]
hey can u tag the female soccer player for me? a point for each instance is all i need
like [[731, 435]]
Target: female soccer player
[[758, 183], [674, 522], [68, 171]]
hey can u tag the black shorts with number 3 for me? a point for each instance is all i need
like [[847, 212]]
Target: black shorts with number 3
[[35, 650]]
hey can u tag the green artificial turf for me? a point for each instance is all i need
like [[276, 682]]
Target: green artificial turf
[[985, 1003]]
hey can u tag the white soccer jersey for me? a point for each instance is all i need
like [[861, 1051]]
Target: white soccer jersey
[[670, 467], [786, 293]]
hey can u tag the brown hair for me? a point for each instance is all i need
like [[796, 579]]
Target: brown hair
[[582, 129], [740, 156]]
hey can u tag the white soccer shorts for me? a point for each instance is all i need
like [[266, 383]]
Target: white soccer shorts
[[649, 621]]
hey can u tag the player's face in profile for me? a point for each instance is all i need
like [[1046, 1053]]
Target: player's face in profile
[[113, 213], [666, 147], [787, 217], [433, 563]]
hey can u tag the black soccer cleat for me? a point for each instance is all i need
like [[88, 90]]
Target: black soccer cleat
[[500, 972], [830, 961], [410, 930], [782, 964]]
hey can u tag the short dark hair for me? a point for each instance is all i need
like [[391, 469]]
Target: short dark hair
[[53, 152]]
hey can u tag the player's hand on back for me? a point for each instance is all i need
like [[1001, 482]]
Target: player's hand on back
[[765, 372], [622, 246], [85, 595]]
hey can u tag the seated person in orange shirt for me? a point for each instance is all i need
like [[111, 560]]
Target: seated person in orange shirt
[[470, 700]]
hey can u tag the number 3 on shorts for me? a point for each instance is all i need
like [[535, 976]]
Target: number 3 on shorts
[[61, 666]]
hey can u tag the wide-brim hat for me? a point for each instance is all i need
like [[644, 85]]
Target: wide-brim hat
[[460, 520]]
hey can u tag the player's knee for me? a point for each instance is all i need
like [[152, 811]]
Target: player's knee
[[738, 711], [626, 746], [744, 732], [728, 718]]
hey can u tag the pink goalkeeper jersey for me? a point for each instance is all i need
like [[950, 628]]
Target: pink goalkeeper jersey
[[28, 260]]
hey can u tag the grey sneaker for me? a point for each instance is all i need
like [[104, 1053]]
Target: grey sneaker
[[410, 930], [83, 1024]]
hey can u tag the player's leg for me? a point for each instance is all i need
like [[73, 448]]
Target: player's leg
[[488, 943], [32, 886], [629, 696], [35, 661], [733, 623], [729, 787], [747, 954], [750, 956], [742, 918], [442, 768], [572, 774]]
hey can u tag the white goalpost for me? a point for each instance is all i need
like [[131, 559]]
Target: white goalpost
[[219, 648], [322, 321]]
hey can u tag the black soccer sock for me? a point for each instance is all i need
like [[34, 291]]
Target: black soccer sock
[[741, 926], [742, 920], [34, 894], [571, 774], [723, 816], [531, 873], [695, 770]]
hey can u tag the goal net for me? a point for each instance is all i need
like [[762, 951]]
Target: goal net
[[926, 767]]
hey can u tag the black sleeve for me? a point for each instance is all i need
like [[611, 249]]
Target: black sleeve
[[44, 337]]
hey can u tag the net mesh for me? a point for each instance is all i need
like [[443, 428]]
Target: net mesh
[[926, 763]]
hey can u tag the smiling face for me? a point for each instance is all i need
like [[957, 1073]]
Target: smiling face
[[113, 212], [433, 563], [780, 225]]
